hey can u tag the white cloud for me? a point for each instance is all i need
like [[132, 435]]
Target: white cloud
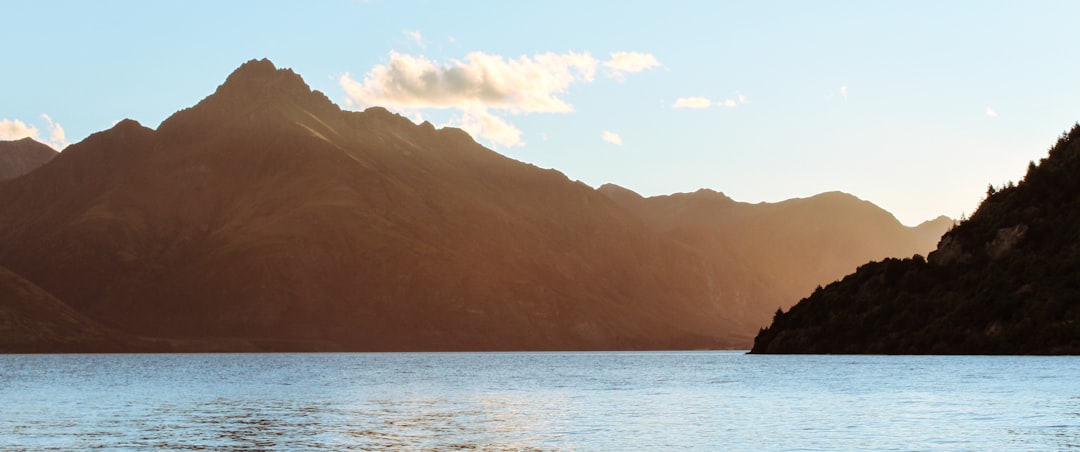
[[611, 137], [522, 85], [57, 139], [416, 37], [990, 112], [843, 92], [481, 84], [480, 123], [14, 129], [701, 102], [622, 63], [692, 102]]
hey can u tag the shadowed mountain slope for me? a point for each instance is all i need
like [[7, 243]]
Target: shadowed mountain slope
[[32, 320], [1006, 281], [19, 157], [266, 214]]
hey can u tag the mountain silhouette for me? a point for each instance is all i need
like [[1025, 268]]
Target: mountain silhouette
[[267, 215], [1004, 281], [267, 218], [769, 255], [19, 157]]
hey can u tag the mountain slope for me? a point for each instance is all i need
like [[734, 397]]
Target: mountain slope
[[266, 213], [31, 320], [774, 253], [1003, 282], [22, 156]]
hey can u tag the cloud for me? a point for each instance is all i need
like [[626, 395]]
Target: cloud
[[416, 37], [482, 84], [57, 139], [16, 130], [522, 85], [990, 112], [692, 102], [480, 123], [622, 63], [611, 137], [701, 102], [843, 92]]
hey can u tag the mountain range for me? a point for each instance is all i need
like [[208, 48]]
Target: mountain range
[[1005, 281], [267, 218]]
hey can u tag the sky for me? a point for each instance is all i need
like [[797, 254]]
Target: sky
[[915, 106]]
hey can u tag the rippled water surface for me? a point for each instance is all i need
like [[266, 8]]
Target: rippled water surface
[[576, 401]]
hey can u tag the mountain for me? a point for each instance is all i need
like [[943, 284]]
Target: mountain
[[32, 320], [1005, 281], [22, 156], [769, 255], [266, 217]]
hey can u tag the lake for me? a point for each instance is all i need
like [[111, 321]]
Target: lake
[[538, 401]]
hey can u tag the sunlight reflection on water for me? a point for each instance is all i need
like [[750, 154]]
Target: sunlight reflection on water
[[537, 401]]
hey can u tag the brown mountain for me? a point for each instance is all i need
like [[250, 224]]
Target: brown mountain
[[19, 157], [266, 215], [32, 320], [772, 254]]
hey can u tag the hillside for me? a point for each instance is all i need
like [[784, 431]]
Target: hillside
[[22, 156], [775, 253], [1006, 281], [267, 215], [32, 320]]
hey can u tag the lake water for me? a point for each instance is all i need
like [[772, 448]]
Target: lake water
[[544, 401]]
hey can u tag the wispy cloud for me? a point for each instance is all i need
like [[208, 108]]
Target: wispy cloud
[[483, 83], [622, 63], [415, 37], [990, 112], [57, 138], [14, 129], [702, 102], [611, 137], [692, 102], [843, 92]]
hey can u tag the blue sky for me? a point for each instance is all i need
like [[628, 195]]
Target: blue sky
[[915, 106]]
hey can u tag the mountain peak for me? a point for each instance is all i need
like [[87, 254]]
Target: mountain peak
[[254, 67], [254, 90], [258, 78]]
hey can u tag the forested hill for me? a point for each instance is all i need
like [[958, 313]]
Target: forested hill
[[1005, 281]]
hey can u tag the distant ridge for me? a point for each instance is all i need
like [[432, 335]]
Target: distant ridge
[[19, 157], [768, 255], [1003, 282]]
